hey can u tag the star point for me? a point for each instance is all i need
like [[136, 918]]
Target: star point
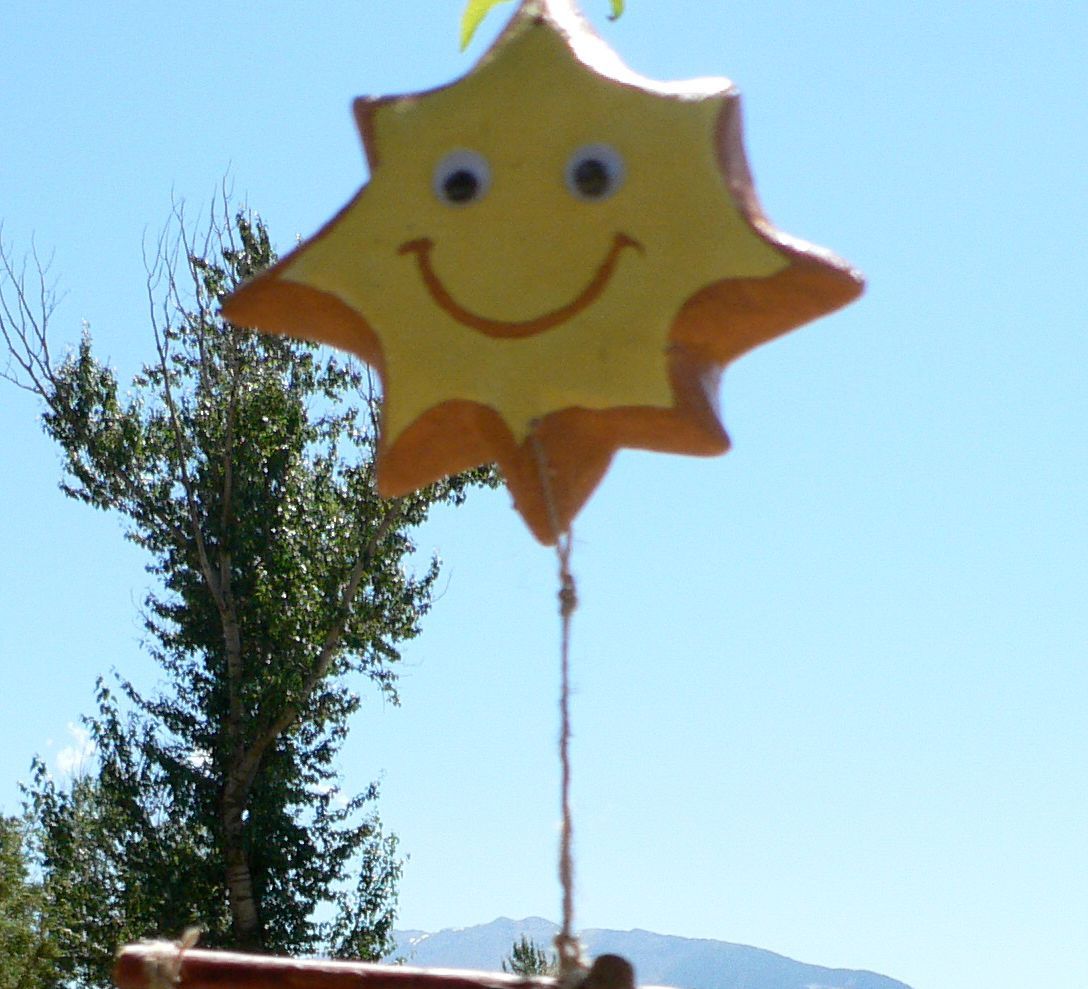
[[553, 259]]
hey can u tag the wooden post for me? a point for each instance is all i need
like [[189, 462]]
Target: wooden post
[[167, 964]]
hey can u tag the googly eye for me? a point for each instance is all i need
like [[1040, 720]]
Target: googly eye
[[462, 178], [595, 172]]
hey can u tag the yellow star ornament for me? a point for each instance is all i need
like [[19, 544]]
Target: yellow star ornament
[[554, 258]]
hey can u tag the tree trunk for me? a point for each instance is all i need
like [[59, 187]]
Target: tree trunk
[[244, 912]]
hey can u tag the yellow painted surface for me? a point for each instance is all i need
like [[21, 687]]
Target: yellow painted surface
[[529, 246]]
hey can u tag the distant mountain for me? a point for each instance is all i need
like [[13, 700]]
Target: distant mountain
[[659, 959]]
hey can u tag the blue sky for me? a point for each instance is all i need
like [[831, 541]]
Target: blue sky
[[831, 688]]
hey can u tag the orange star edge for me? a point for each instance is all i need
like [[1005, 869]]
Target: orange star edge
[[575, 445], [554, 470]]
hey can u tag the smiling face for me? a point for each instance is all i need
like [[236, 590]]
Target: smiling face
[[528, 218], [594, 173], [506, 329], [524, 250]]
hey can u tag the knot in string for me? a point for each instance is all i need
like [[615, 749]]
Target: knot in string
[[162, 965], [572, 965], [568, 594]]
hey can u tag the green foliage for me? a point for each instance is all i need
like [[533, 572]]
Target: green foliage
[[27, 952], [94, 854], [122, 857], [477, 10], [244, 465], [528, 959]]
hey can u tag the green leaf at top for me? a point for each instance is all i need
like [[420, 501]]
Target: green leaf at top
[[475, 12]]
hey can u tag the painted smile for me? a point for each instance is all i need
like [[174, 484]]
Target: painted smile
[[505, 329]]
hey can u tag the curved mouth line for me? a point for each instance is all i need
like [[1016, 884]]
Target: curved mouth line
[[521, 328]]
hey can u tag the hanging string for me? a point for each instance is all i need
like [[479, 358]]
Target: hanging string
[[567, 944], [568, 948]]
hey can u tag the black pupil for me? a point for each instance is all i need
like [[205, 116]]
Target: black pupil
[[461, 186], [591, 177]]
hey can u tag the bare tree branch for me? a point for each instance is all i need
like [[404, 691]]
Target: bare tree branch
[[182, 453], [23, 325]]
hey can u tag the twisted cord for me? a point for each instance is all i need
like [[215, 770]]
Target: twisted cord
[[567, 946]]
